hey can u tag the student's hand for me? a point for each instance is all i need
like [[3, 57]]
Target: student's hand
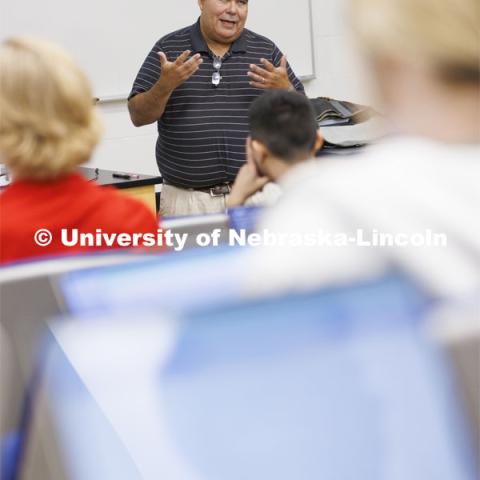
[[175, 73], [246, 184], [248, 181], [270, 77]]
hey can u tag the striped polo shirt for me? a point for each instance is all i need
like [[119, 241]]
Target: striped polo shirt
[[202, 132]]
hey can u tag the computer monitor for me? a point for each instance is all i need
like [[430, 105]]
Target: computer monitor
[[174, 282], [339, 384]]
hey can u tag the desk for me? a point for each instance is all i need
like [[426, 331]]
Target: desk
[[142, 187]]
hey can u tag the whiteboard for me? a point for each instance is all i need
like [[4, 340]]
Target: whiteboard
[[111, 38]]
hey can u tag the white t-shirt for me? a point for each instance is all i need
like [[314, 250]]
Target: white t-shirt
[[405, 191]]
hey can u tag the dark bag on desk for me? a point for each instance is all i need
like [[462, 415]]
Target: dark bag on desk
[[331, 112]]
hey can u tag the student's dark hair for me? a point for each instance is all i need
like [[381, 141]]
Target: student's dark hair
[[285, 123]]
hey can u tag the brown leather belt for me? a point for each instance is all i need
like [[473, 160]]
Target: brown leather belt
[[214, 191]]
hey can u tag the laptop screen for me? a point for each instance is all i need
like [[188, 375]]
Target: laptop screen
[[339, 384], [172, 282]]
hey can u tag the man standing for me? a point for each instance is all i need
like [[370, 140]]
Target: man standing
[[197, 83]]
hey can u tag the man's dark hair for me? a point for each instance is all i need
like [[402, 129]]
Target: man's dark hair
[[285, 123]]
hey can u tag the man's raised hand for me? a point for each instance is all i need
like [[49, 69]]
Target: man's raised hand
[[270, 77], [177, 72]]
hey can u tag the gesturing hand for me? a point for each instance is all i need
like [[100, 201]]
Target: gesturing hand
[[175, 73], [270, 77]]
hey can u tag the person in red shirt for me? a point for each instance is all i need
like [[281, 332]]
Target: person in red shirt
[[49, 126]]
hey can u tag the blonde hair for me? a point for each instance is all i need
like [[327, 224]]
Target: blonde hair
[[48, 123], [441, 34]]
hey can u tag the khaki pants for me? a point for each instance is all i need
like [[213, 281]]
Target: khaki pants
[[176, 201]]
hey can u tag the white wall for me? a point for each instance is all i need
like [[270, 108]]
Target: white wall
[[338, 75], [338, 68]]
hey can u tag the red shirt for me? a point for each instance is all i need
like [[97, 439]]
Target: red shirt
[[68, 203]]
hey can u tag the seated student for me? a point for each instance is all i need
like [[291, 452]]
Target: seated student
[[48, 126], [411, 202], [283, 134]]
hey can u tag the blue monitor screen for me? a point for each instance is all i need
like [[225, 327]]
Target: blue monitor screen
[[173, 282], [337, 385]]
